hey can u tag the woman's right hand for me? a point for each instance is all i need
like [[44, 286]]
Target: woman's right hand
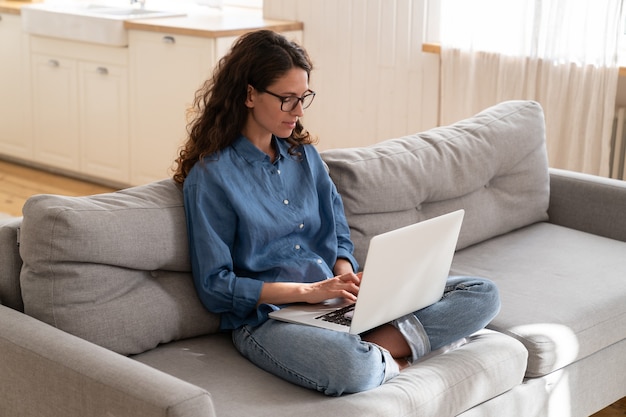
[[342, 286]]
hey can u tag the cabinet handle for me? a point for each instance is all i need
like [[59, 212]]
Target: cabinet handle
[[53, 63], [102, 70], [169, 39]]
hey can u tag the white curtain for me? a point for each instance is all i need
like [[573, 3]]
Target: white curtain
[[561, 53]]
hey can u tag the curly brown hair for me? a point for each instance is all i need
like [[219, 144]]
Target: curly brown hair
[[219, 113]]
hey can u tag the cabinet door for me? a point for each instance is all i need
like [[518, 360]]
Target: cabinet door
[[15, 137], [165, 73], [55, 111], [103, 100]]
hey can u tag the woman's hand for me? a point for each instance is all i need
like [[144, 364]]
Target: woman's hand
[[342, 286]]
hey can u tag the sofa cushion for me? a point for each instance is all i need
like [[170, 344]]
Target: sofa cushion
[[562, 291], [443, 385], [494, 165], [112, 268]]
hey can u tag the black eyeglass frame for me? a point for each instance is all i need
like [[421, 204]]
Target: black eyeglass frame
[[284, 99]]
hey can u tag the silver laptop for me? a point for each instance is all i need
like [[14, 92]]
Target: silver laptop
[[405, 270]]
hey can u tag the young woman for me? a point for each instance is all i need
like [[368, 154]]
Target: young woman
[[267, 228]]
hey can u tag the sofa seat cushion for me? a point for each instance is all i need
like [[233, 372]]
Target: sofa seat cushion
[[562, 291], [444, 385], [494, 165], [112, 268]]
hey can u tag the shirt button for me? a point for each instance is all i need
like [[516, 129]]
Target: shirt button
[[278, 171], [297, 247], [319, 261], [285, 201], [301, 225]]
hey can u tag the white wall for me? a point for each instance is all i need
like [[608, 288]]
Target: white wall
[[372, 80]]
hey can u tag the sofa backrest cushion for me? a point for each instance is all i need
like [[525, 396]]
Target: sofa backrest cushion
[[112, 268], [494, 165]]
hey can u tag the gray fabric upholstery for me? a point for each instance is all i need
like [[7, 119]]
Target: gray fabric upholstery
[[112, 268], [10, 264], [62, 375], [589, 203], [444, 385], [579, 390], [580, 308], [486, 164]]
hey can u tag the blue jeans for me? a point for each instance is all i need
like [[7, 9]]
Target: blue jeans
[[336, 363]]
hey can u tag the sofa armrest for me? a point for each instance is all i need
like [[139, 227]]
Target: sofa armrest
[[588, 203], [47, 372], [10, 264]]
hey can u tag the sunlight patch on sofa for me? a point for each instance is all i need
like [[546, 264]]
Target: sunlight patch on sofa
[[552, 345]]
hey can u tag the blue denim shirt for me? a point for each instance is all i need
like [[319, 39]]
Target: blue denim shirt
[[252, 221]]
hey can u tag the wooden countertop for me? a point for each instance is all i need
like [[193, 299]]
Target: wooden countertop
[[12, 7], [232, 21]]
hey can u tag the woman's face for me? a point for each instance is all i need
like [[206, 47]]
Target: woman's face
[[266, 117]]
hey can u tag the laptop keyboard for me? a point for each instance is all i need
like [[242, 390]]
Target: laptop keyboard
[[342, 316]]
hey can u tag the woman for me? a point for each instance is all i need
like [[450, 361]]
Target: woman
[[267, 228]]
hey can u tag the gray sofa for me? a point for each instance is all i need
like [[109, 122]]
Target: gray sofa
[[99, 316]]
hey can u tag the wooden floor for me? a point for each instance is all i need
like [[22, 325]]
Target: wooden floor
[[17, 183], [617, 409]]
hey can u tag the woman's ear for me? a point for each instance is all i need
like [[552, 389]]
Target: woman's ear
[[250, 96]]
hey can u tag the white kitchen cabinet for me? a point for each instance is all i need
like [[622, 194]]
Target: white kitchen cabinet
[[104, 130], [116, 115], [80, 108], [55, 111], [15, 136], [166, 71]]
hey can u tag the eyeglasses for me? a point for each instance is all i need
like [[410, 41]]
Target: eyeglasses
[[289, 103]]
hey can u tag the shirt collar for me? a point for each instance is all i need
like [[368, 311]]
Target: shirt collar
[[251, 153]]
